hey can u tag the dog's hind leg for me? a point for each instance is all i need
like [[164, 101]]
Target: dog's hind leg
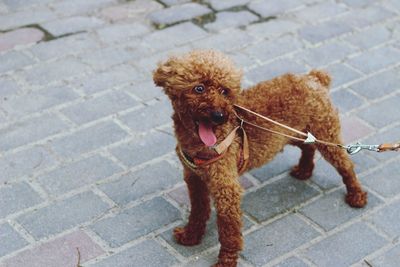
[[304, 169], [193, 232]]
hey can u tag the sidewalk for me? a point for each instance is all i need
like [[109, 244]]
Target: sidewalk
[[88, 172]]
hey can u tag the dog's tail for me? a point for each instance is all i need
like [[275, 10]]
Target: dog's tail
[[322, 76]]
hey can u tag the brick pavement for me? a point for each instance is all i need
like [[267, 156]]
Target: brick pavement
[[86, 145]]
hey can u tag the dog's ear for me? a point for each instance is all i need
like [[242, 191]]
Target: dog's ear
[[164, 72]]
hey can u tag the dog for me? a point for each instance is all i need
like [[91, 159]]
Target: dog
[[204, 86]]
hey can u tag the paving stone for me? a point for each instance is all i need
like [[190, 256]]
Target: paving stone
[[292, 262], [324, 31], [147, 118], [98, 107], [221, 5], [364, 41], [272, 28], [385, 181], [331, 210], [65, 46], [346, 100], [23, 36], [72, 25], [277, 197], [136, 222], [358, 3], [19, 4], [151, 146], [146, 253], [283, 162], [325, 175], [388, 259], [274, 69], [378, 85], [345, 247], [8, 87], [62, 215], [341, 74], [78, 174], [393, 4], [374, 60], [61, 251], [13, 61], [178, 13], [174, 2], [374, 115], [354, 129], [133, 10], [268, 8], [277, 239], [145, 90], [387, 218], [229, 19], [364, 17], [10, 240], [46, 73], [121, 32], [327, 53], [390, 135], [134, 185], [181, 196], [31, 130], [266, 51], [25, 17], [37, 101], [25, 162], [364, 162], [320, 11], [16, 197], [88, 139], [74, 7], [209, 240], [242, 60]]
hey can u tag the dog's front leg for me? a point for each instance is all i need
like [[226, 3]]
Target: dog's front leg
[[226, 192], [192, 233]]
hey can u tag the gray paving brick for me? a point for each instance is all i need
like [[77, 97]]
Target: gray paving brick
[[121, 32], [134, 185], [19, 38], [36, 101], [31, 130], [209, 240], [345, 100], [292, 262], [8, 87], [62, 215], [242, 60], [378, 85], [151, 146], [364, 162], [272, 28], [345, 247], [71, 25], [16, 197], [25, 17], [98, 107], [178, 13], [276, 239], [147, 253], [364, 17], [221, 5], [324, 31], [268, 8], [327, 53], [265, 51], [385, 181], [325, 175], [10, 240], [320, 11], [25, 162], [78, 174], [19, 4], [174, 2], [390, 135], [388, 259], [364, 41], [342, 74], [358, 3], [331, 210], [137, 221], [374, 60], [387, 218], [277, 197], [74, 7], [376, 117], [133, 10], [14, 60], [229, 19], [145, 90], [283, 162], [54, 71], [147, 118], [273, 69]]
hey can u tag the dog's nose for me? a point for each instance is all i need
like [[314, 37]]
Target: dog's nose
[[218, 117]]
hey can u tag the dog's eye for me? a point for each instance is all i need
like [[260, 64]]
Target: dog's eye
[[199, 89], [224, 92]]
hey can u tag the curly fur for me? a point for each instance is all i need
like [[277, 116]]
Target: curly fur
[[300, 101]]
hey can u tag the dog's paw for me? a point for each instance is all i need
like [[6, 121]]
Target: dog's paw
[[301, 173], [357, 199], [185, 237]]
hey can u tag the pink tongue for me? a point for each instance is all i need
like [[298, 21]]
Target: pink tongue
[[206, 134]]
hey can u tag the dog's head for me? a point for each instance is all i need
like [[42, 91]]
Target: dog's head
[[202, 86]]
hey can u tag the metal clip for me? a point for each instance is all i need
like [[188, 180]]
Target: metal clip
[[357, 147]]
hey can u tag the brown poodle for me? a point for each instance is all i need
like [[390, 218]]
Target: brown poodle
[[203, 87]]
